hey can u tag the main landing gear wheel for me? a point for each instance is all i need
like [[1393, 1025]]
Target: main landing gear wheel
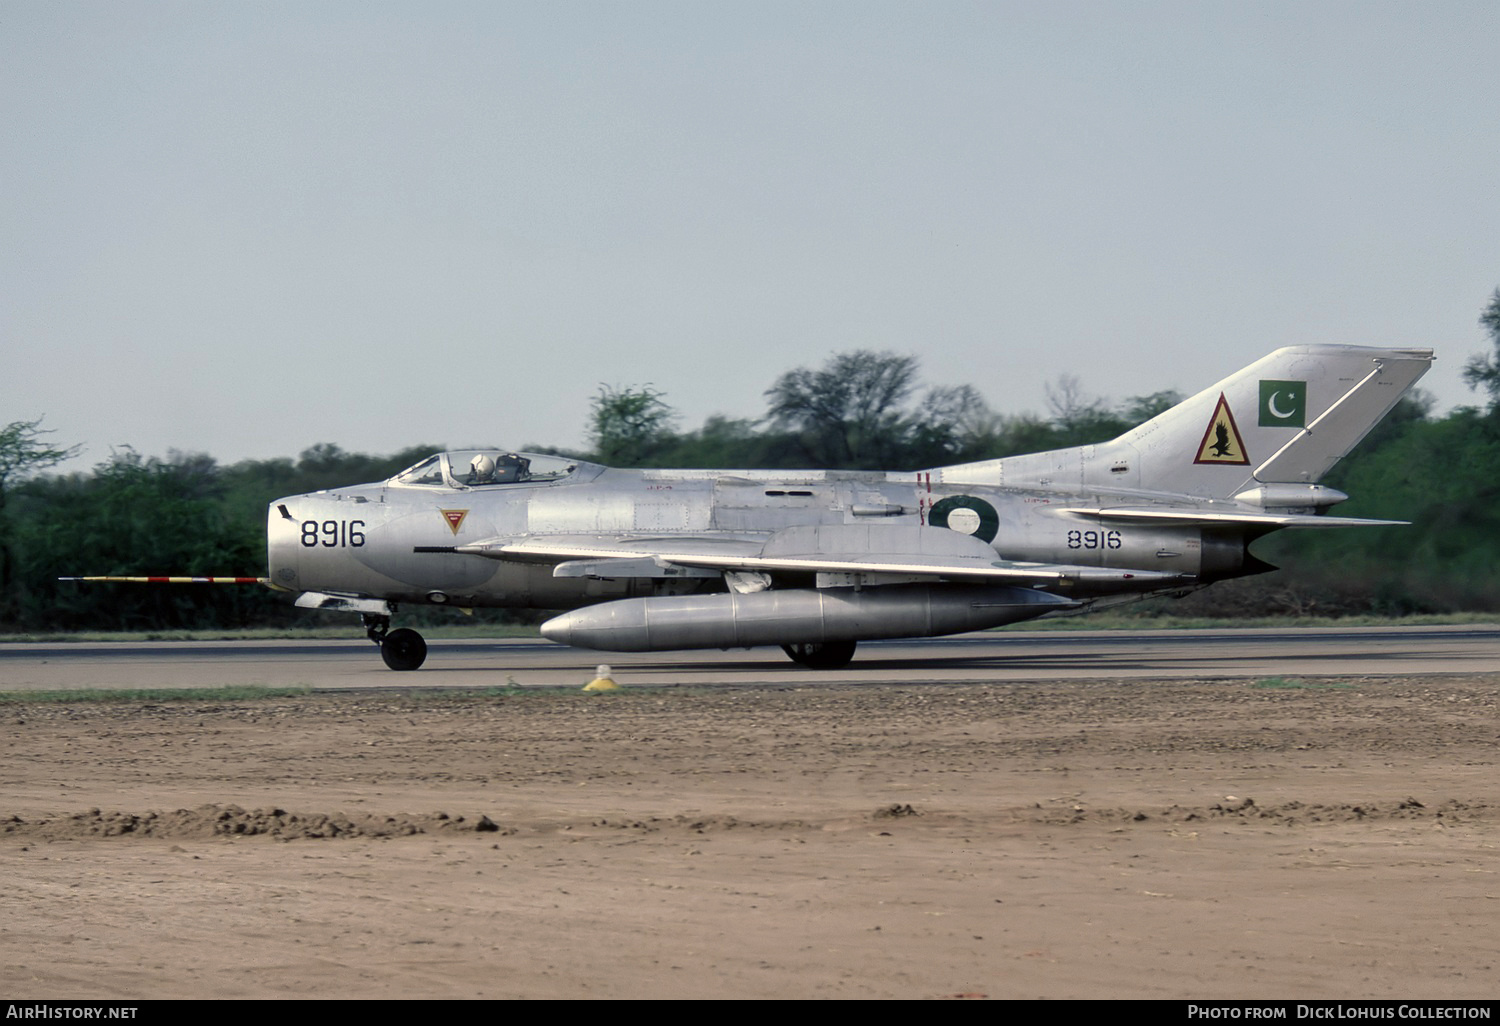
[[826, 655], [403, 649]]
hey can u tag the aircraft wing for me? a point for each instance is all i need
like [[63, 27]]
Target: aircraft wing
[[887, 549], [1167, 515], [946, 568]]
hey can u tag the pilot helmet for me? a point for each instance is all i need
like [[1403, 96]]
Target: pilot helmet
[[482, 466]]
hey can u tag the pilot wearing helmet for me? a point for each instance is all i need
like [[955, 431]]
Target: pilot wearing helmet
[[498, 468], [481, 469]]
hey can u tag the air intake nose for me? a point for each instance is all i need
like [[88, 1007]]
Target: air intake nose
[[283, 546]]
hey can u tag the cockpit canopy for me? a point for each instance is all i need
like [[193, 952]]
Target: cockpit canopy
[[479, 468]]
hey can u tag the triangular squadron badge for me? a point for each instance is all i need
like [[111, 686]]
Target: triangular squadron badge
[[454, 518], [1221, 441]]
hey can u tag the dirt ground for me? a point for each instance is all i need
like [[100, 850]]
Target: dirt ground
[[1318, 838]]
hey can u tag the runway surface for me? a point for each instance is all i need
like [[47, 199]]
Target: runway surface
[[991, 656], [1024, 815]]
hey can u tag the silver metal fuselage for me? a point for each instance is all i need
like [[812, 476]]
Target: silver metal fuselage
[[395, 542]]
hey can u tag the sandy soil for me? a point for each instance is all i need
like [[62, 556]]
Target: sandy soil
[[1335, 839]]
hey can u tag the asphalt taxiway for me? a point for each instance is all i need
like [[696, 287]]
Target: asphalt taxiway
[[989, 656]]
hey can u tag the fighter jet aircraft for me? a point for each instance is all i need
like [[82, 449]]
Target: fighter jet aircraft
[[817, 561]]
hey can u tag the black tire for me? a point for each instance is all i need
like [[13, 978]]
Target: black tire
[[403, 649], [825, 655]]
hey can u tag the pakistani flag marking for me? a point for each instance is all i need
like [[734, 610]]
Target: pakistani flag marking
[[1283, 404]]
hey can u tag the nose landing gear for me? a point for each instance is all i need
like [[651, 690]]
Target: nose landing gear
[[402, 649]]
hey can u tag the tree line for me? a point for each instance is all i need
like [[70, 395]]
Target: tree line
[[187, 514], [861, 410]]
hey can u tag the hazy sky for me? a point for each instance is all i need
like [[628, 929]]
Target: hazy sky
[[247, 227]]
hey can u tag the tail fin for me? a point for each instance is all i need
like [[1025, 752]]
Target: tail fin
[[1282, 421], [1285, 419]]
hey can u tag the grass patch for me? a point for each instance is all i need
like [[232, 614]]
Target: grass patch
[[419, 695], [353, 632], [1107, 621], [553, 692], [1286, 684], [247, 693]]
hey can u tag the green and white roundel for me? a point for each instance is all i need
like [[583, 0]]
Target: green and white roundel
[[966, 514]]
